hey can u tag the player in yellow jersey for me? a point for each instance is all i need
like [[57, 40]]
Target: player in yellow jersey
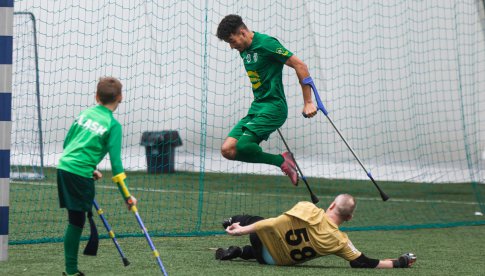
[[303, 233]]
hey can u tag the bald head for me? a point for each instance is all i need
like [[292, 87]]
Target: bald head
[[345, 206]]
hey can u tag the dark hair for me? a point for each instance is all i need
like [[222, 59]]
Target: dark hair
[[229, 25], [108, 90]]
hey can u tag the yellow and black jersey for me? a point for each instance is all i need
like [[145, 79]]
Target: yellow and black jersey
[[303, 233]]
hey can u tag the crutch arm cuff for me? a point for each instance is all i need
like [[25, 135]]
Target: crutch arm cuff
[[119, 177], [307, 81]]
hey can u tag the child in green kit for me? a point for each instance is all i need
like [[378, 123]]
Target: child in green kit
[[93, 134]]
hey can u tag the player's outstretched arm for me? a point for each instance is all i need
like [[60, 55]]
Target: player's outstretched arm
[[404, 261], [237, 230]]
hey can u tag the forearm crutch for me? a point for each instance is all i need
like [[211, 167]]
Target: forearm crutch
[[314, 198], [119, 179], [309, 81], [110, 232]]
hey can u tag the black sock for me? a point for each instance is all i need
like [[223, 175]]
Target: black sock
[[247, 253]]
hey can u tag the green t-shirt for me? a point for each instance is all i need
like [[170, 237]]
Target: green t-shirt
[[264, 61], [94, 133]]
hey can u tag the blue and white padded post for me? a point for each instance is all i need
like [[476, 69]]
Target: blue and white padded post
[[6, 47]]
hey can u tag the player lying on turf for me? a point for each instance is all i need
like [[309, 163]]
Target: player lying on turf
[[303, 233], [264, 58]]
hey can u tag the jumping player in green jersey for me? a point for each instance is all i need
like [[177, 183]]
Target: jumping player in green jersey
[[301, 234], [263, 57], [93, 134]]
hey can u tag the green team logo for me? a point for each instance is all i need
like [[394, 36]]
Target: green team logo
[[282, 51], [254, 78]]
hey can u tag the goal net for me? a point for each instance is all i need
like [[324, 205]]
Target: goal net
[[402, 80]]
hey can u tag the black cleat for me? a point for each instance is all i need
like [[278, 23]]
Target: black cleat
[[228, 254], [226, 222]]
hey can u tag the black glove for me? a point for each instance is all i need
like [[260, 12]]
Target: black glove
[[404, 261]]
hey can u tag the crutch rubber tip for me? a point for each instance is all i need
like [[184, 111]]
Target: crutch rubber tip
[[126, 262], [315, 200], [384, 197]]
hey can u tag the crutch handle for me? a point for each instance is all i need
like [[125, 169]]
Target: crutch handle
[[320, 106]]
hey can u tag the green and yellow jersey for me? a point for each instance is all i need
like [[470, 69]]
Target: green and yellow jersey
[[94, 134], [264, 61], [303, 233]]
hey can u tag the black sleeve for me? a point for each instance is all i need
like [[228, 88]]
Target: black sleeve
[[363, 262]]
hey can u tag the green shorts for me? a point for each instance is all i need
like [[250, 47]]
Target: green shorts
[[262, 125], [76, 193]]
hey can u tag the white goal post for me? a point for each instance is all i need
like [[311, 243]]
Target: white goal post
[[6, 46]]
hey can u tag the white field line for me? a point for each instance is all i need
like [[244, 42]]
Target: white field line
[[112, 187]]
